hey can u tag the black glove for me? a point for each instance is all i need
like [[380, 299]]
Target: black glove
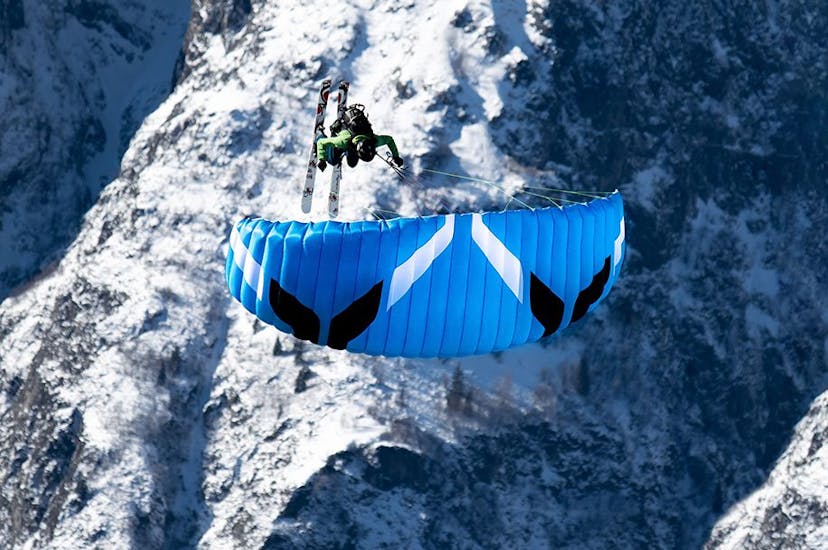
[[398, 161], [322, 165]]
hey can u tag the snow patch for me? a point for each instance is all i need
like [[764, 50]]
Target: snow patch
[[761, 280], [758, 322], [647, 184]]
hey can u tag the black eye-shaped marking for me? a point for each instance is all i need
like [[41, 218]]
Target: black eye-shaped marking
[[548, 308], [345, 326], [302, 319], [590, 294], [354, 319]]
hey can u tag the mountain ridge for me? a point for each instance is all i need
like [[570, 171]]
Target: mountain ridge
[[166, 416]]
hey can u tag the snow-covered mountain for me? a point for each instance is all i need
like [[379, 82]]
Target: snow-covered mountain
[[142, 407], [76, 81], [789, 510]]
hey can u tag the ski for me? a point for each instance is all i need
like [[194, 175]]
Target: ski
[[336, 175], [318, 132]]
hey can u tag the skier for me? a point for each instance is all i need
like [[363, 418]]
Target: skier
[[352, 137]]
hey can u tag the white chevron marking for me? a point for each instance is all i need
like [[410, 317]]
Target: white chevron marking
[[501, 258], [616, 255], [244, 260], [407, 273]]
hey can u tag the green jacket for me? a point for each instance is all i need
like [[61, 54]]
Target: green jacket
[[344, 138]]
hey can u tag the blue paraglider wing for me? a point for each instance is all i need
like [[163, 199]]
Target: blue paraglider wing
[[447, 286]]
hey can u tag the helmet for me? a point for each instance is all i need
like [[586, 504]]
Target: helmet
[[366, 149]]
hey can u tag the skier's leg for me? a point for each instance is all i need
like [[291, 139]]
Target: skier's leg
[[328, 153], [336, 156], [352, 157]]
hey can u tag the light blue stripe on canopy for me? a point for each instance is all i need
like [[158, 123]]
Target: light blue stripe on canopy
[[445, 286]]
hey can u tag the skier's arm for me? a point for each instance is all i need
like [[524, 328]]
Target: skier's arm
[[340, 141], [389, 141]]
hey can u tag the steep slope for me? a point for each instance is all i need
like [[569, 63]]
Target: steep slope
[[142, 407], [789, 510], [76, 83]]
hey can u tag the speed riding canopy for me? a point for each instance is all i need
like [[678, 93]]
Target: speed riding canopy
[[436, 286]]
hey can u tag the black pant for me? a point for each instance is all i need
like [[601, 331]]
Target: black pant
[[352, 156]]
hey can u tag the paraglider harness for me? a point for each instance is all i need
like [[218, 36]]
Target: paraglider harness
[[354, 120]]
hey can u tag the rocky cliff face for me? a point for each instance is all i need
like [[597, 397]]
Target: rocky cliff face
[[143, 408], [77, 81], [789, 510]]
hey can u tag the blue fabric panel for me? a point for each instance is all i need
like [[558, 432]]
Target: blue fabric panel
[[308, 260], [556, 276], [572, 261], [508, 303], [491, 315], [329, 238], [421, 296], [603, 241], [459, 305], [255, 249], [345, 272], [437, 302], [529, 253], [403, 315], [292, 251], [271, 268], [455, 311], [476, 271], [367, 272], [589, 266], [236, 269], [386, 258]]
